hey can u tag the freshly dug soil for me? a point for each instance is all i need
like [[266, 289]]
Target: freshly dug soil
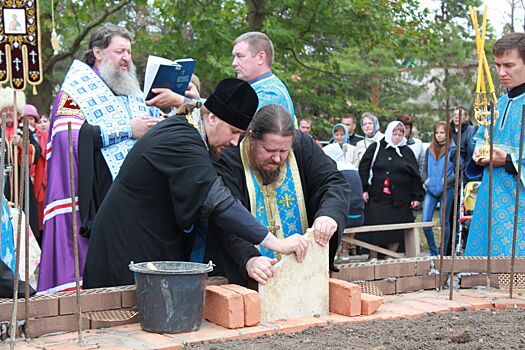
[[484, 329]]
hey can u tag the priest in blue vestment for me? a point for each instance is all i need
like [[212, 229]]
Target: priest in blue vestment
[[510, 67]]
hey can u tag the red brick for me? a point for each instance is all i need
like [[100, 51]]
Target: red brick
[[295, 325], [503, 304], [255, 331], [393, 268], [407, 284], [385, 286], [449, 305], [345, 298], [157, 341], [474, 303], [90, 300], [129, 296], [224, 307], [479, 280], [72, 347], [208, 333], [370, 303], [355, 272], [39, 306], [252, 304], [40, 326], [422, 267]]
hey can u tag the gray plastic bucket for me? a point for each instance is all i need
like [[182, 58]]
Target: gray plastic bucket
[[170, 295]]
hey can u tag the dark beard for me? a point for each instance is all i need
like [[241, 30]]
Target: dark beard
[[269, 177], [215, 155]]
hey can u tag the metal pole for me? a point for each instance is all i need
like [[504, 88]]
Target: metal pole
[[444, 205], [14, 187], [491, 169], [517, 205], [2, 166], [25, 160], [17, 270], [75, 233], [455, 208]]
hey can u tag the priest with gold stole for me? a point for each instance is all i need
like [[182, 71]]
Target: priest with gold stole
[[289, 185]]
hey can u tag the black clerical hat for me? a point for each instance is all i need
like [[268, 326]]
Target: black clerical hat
[[233, 101]]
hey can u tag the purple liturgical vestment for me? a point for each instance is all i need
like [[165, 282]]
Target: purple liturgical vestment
[[100, 125], [57, 269]]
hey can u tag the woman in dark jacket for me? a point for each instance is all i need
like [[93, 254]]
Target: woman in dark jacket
[[391, 186]]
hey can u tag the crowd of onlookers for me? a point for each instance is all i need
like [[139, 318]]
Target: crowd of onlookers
[[392, 174]]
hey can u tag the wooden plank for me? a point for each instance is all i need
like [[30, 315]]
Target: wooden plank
[[389, 227], [373, 247], [412, 242]]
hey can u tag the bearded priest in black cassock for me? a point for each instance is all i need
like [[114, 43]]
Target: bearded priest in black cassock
[[288, 183], [167, 185]]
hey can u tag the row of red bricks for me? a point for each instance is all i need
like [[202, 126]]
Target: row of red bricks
[[411, 305], [230, 306], [56, 312], [414, 283], [233, 306], [423, 266]]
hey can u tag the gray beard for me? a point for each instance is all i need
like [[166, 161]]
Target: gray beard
[[121, 83]]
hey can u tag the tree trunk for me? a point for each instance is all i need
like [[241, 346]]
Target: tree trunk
[[256, 14], [374, 94]]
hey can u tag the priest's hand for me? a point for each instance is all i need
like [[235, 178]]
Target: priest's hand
[[141, 125], [365, 197], [192, 92], [296, 243], [324, 227], [165, 98], [498, 157], [260, 268]]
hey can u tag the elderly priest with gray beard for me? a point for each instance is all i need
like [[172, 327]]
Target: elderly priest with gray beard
[[102, 100]]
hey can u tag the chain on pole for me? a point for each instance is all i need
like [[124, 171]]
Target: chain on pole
[[75, 233], [455, 208]]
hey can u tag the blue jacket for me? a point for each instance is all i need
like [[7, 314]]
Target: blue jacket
[[434, 169]]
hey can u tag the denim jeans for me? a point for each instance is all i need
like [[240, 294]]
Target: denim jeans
[[429, 205]]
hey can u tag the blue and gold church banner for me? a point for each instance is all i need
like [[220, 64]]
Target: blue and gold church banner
[[278, 205]]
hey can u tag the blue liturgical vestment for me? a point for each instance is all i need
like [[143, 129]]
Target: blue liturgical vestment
[[507, 137], [271, 90]]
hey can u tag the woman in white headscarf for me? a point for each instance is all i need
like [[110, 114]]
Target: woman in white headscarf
[[370, 127], [391, 186]]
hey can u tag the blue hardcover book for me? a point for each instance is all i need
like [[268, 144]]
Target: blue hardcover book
[[164, 73]]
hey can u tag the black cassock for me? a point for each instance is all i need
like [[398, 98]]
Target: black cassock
[[166, 186], [325, 190]]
